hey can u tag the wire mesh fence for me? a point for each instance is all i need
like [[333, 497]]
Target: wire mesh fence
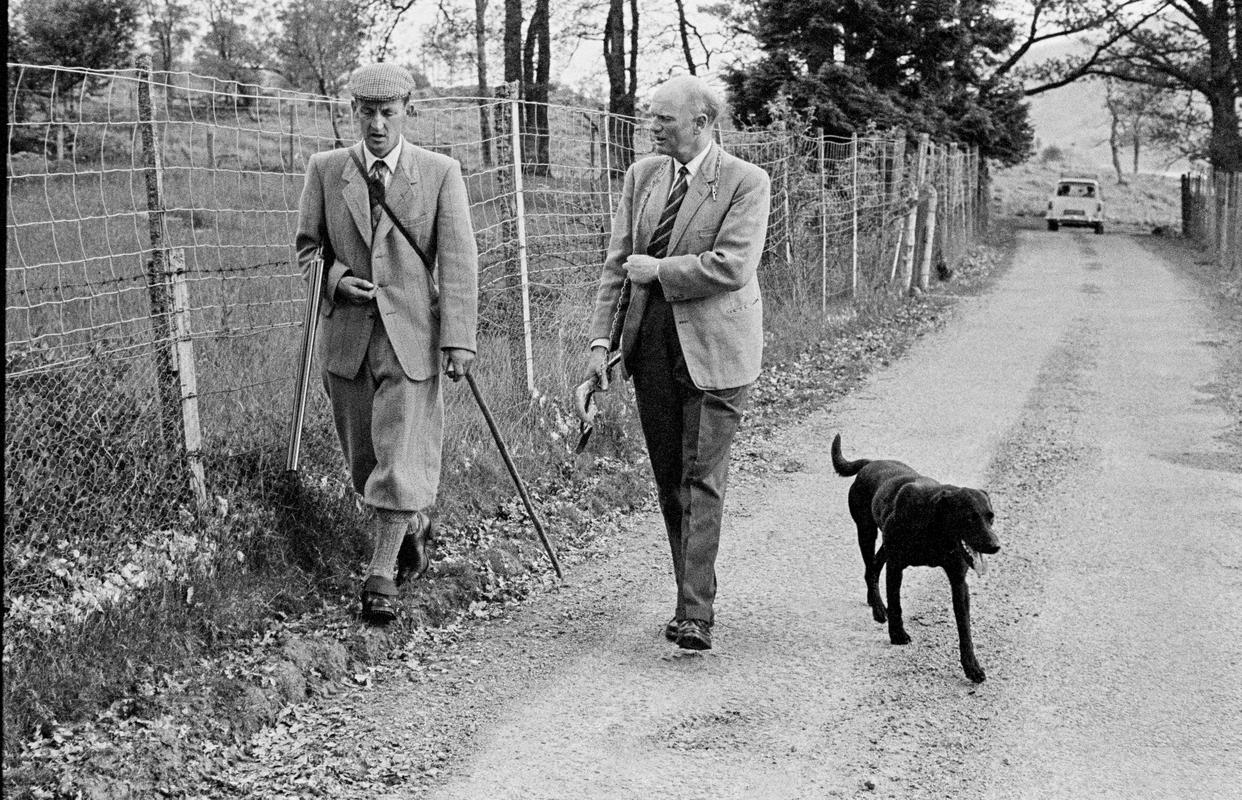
[[154, 303]]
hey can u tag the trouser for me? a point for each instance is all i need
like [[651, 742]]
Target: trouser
[[688, 433], [391, 429]]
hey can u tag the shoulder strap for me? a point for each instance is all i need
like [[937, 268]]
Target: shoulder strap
[[384, 205]]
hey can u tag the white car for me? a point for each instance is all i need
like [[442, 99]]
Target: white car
[[1077, 202]]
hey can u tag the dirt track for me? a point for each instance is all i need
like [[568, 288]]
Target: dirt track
[[1079, 393]]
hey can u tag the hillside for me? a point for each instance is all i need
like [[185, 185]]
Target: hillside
[[1146, 202]]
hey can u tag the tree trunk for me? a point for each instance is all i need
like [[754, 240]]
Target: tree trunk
[[1114, 147], [633, 53], [682, 29], [620, 101], [1136, 143], [536, 64], [1225, 146], [513, 42], [480, 59]]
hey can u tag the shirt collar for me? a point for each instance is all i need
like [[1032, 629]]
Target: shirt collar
[[391, 160], [692, 166]]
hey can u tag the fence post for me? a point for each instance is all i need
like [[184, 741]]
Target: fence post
[[823, 224], [854, 223], [785, 193], [608, 162], [187, 374], [893, 195], [929, 233], [516, 133], [169, 298], [513, 218], [912, 216]]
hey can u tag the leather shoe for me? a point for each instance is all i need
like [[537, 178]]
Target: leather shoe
[[413, 558], [379, 600], [694, 634], [670, 629]]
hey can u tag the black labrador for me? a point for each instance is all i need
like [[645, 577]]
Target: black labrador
[[925, 524]]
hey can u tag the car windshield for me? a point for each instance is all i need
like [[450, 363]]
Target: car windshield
[[1076, 190]]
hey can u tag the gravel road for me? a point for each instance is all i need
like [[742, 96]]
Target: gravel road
[[1079, 393]]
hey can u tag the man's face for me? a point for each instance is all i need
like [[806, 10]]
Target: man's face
[[675, 127], [380, 124]]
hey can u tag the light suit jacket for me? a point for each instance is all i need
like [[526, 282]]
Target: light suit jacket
[[421, 315], [709, 274]]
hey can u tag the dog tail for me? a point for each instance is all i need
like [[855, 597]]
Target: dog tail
[[845, 468]]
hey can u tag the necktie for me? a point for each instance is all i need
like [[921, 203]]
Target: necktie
[[656, 248], [658, 245], [375, 189]]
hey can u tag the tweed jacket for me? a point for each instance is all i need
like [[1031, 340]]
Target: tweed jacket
[[421, 313], [709, 275]]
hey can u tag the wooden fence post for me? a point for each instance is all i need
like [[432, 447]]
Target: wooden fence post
[[513, 224], [169, 297], [854, 218], [823, 224], [893, 196], [785, 194], [608, 162], [923, 270], [906, 277]]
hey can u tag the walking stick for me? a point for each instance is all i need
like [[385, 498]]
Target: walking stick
[[315, 289], [584, 394], [513, 473]]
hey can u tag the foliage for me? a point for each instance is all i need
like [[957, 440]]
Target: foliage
[[319, 43], [1184, 47], [230, 47], [886, 66], [93, 34], [170, 27]]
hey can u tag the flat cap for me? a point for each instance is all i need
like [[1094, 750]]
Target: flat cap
[[380, 83]]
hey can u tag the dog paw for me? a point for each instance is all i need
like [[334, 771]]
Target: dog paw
[[974, 672], [879, 614], [900, 637]]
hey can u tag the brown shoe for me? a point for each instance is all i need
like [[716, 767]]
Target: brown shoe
[[379, 600], [670, 629], [413, 557], [694, 634]]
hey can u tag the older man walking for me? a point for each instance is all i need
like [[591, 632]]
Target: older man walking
[[679, 295], [400, 303]]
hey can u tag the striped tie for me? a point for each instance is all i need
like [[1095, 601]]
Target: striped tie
[[664, 231], [375, 188]]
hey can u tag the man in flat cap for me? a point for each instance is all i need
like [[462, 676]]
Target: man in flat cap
[[394, 313]]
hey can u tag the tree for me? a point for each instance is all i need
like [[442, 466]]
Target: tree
[[230, 48], [850, 65], [169, 30], [536, 69], [320, 43], [513, 41], [480, 63], [1195, 46], [94, 34], [622, 81], [1181, 45]]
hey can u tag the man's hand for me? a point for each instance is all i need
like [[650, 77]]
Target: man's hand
[[597, 367], [352, 289], [641, 268], [457, 362]]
